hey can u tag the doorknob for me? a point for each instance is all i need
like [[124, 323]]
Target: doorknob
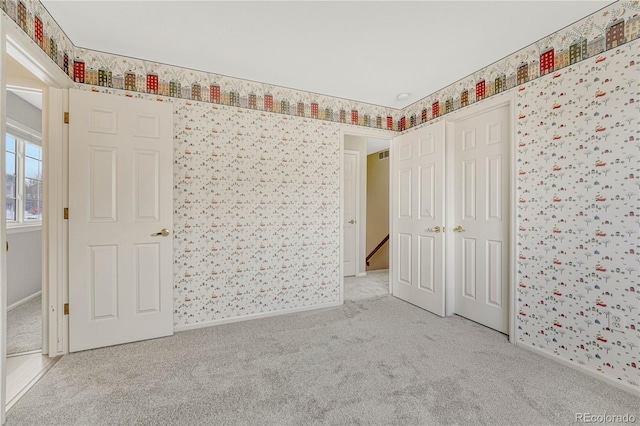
[[163, 233], [436, 229], [352, 221], [458, 229]]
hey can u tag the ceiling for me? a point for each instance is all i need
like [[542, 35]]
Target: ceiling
[[368, 51]]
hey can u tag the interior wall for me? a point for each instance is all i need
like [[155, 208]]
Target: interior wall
[[578, 137], [24, 258], [377, 210], [23, 112], [24, 265], [256, 212], [359, 143]]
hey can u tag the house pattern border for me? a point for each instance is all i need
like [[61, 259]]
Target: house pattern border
[[592, 36], [606, 29]]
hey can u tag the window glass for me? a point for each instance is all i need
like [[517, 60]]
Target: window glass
[[11, 143], [33, 151], [32, 168], [11, 190], [24, 181], [11, 210], [11, 163]]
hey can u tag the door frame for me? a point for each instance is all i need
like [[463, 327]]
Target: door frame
[[496, 101], [358, 273], [16, 43], [346, 130]]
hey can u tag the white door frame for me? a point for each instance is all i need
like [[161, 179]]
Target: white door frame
[[357, 214], [494, 102], [16, 43], [369, 133]]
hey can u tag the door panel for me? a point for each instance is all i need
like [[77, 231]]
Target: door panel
[[104, 282], [426, 256], [417, 187], [120, 197], [405, 193], [468, 267], [481, 210], [427, 191], [404, 259]]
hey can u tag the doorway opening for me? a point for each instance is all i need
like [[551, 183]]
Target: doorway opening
[[366, 217], [24, 196]]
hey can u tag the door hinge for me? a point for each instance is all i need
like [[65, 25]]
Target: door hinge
[[66, 118], [66, 309], [66, 213]]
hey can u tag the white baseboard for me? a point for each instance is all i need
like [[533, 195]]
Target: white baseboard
[[609, 380], [23, 301], [361, 274], [180, 328]]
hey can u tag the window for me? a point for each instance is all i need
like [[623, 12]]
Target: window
[[24, 182]]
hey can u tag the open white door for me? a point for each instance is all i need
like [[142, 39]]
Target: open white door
[[351, 197], [120, 220], [417, 224]]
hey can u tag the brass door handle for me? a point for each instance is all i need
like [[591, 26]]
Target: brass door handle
[[352, 221], [458, 229], [162, 233], [436, 229]]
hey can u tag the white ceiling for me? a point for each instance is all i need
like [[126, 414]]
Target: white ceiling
[[362, 50]]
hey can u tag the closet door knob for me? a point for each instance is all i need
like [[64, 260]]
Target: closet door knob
[[436, 229], [458, 229]]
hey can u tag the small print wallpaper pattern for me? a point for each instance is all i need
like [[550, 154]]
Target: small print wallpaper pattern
[[578, 137], [257, 199]]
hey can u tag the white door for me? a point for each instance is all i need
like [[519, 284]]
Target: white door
[[351, 197], [481, 224], [120, 220], [417, 203]]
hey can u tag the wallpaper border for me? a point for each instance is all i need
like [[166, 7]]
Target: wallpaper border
[[606, 29]]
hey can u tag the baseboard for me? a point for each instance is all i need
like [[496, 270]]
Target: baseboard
[[361, 274], [609, 380], [23, 301], [180, 328]]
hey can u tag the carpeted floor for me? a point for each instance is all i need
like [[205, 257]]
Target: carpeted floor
[[374, 284], [374, 361], [24, 327]]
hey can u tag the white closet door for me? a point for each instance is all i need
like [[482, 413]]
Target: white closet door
[[481, 224], [417, 225], [351, 197]]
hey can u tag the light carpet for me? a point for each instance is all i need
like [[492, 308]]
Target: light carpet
[[374, 284], [374, 361], [24, 327]]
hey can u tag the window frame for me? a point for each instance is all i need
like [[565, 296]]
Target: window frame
[[23, 135]]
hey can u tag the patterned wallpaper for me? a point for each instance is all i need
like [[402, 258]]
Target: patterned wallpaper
[[578, 136], [609, 28], [256, 212]]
